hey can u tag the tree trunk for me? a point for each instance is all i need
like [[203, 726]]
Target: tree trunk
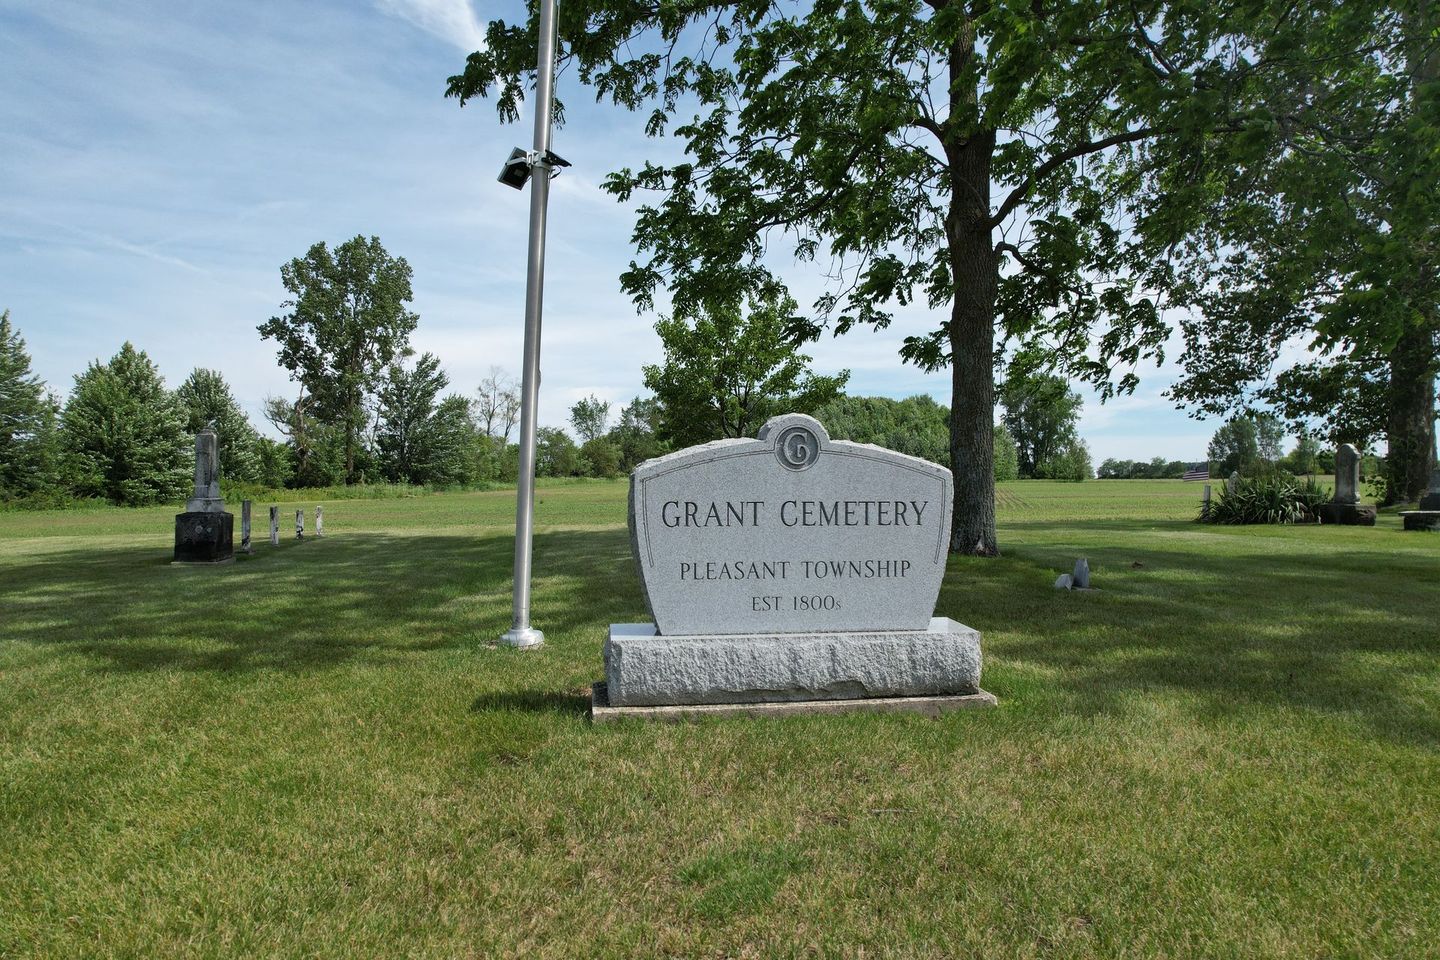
[[1410, 430], [974, 269]]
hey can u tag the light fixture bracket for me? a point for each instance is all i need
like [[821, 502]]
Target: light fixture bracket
[[522, 163]]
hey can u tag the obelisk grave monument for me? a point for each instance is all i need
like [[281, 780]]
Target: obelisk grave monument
[[790, 569], [205, 533]]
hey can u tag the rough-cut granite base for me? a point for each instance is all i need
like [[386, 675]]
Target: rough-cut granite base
[[601, 710], [644, 669], [203, 537], [1346, 514], [1421, 519]]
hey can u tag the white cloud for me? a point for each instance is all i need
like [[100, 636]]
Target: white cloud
[[451, 20]]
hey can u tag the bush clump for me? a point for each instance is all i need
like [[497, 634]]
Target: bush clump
[[1268, 499]]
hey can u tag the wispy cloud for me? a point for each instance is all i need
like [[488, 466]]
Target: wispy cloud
[[451, 20]]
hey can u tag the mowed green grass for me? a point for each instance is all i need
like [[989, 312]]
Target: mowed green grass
[[1232, 749]]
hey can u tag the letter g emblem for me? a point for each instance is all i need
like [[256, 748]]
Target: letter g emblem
[[797, 448]]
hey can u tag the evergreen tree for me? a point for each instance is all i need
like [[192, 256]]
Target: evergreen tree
[[28, 438], [206, 399], [407, 400], [450, 443], [1007, 457], [124, 434], [917, 426]]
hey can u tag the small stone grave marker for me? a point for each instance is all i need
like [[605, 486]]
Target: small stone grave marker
[[245, 526], [274, 526], [300, 524], [1427, 517], [319, 521]]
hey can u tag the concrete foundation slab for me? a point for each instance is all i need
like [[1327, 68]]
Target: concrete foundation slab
[[601, 711]]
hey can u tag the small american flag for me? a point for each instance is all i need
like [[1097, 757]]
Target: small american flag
[[1201, 472]]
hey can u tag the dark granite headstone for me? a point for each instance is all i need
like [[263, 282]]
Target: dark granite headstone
[[204, 537], [205, 533], [1431, 500]]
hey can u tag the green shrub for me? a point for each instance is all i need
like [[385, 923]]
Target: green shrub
[[1273, 498]]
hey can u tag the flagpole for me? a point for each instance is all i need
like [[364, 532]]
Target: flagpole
[[521, 633]]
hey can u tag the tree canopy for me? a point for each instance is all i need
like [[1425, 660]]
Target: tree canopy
[[979, 157], [348, 322], [1041, 413], [205, 399], [1321, 230], [124, 434], [28, 441], [727, 371]]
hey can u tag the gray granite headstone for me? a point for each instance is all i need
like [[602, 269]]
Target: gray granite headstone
[[274, 526], [789, 533], [789, 567], [1347, 474], [1081, 576]]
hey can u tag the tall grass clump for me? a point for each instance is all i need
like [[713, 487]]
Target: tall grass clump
[[1274, 498]]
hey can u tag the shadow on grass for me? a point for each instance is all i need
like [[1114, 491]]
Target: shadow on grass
[[533, 701], [1339, 627], [312, 605]]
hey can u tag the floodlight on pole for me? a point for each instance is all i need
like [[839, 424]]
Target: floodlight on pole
[[516, 172]]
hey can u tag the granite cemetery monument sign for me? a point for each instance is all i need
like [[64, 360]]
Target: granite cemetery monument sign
[[790, 568]]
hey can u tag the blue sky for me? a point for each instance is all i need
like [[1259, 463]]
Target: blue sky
[[159, 161]]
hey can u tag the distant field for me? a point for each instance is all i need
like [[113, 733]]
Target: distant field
[[1230, 750], [598, 503]]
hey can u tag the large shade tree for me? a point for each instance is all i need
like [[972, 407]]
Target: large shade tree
[[1322, 231], [977, 156], [348, 322]]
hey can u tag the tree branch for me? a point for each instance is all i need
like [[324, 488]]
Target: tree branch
[[1017, 196]]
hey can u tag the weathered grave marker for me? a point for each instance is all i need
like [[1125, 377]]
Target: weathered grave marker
[[319, 521], [1347, 474], [274, 526], [1427, 517], [205, 533], [1344, 507], [790, 568], [300, 524], [245, 526]]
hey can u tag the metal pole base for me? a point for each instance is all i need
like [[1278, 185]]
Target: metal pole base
[[523, 637]]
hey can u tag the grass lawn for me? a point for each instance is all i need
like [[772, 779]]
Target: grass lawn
[[1231, 750]]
